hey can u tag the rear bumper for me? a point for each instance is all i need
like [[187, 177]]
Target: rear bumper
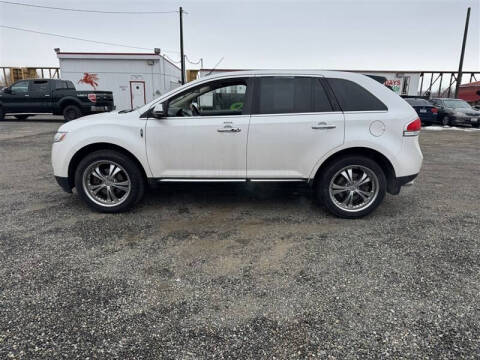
[[64, 183], [398, 182]]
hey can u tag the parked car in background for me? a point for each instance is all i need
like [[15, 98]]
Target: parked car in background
[[427, 113], [456, 112], [345, 134], [52, 96]]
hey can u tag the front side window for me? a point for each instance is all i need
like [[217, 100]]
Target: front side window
[[353, 97], [283, 94], [20, 87], [214, 99]]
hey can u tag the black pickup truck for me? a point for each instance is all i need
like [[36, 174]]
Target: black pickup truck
[[52, 96]]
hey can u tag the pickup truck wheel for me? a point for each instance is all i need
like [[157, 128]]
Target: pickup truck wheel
[[109, 181], [71, 112], [21, 117], [352, 187]]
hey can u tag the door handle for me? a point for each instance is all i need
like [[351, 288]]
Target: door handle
[[47, 95], [229, 129], [323, 125], [27, 95]]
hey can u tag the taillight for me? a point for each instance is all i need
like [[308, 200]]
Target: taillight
[[434, 110], [92, 97], [413, 128]]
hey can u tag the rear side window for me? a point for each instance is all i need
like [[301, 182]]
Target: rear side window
[[353, 97], [60, 84], [277, 95], [418, 102], [39, 85], [70, 85]]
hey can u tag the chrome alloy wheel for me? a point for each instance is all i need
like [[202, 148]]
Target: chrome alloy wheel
[[106, 183], [354, 188]]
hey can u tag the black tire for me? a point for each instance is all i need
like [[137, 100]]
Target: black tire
[[135, 176], [332, 170], [21, 117], [71, 112], [446, 120]]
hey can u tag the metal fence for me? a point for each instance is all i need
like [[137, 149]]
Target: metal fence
[[435, 84]]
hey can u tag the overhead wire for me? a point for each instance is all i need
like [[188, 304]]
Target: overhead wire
[[81, 39], [89, 11]]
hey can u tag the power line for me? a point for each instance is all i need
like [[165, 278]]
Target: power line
[[170, 59], [193, 62], [90, 11], [80, 39]]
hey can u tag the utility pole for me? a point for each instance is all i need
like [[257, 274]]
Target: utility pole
[[182, 56], [460, 66]]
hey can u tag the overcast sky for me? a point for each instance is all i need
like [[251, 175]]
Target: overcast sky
[[341, 34]]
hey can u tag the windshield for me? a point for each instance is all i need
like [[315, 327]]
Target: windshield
[[457, 104]]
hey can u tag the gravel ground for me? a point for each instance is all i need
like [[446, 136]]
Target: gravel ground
[[223, 271]]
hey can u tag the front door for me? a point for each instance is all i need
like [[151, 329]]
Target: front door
[[293, 125], [204, 135], [18, 100], [137, 94]]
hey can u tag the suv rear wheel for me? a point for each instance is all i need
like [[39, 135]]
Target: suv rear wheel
[[352, 186], [109, 181]]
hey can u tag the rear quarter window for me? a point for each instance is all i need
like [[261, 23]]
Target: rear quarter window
[[353, 97]]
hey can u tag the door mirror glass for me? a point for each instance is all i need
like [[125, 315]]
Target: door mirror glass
[[158, 111], [7, 90]]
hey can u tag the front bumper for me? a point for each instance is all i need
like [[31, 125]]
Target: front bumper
[[64, 183]]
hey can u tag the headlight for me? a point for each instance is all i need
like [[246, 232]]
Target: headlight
[[59, 136]]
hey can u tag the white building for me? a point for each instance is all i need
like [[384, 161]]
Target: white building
[[134, 78]]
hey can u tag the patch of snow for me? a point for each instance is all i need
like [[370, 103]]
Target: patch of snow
[[440, 128]]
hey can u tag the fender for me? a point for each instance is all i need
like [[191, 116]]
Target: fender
[[127, 137], [354, 144], [71, 99]]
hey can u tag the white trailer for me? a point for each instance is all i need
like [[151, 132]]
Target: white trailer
[[134, 78]]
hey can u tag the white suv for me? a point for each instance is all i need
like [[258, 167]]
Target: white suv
[[345, 134]]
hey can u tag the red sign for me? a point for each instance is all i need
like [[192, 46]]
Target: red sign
[[89, 79]]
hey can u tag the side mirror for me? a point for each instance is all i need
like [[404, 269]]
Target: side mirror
[[7, 90], [158, 111]]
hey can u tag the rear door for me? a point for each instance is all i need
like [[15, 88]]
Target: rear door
[[294, 123], [40, 96]]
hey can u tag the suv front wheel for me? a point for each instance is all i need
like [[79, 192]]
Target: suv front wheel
[[109, 181], [352, 186]]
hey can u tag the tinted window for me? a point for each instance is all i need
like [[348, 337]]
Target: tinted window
[[353, 97], [418, 102], [321, 103], [20, 87], [39, 85], [60, 85], [291, 95], [70, 85]]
